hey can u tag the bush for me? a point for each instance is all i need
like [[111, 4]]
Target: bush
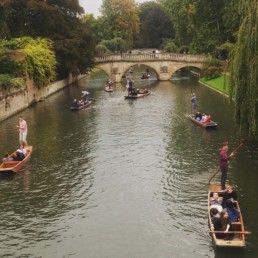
[[7, 66], [213, 72], [101, 49], [18, 83], [169, 46], [5, 81]]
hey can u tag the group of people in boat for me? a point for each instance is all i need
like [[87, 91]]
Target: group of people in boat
[[83, 101], [202, 117], [223, 212], [132, 91], [146, 75], [18, 155], [21, 152]]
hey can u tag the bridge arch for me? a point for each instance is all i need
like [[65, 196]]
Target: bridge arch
[[164, 64], [127, 68]]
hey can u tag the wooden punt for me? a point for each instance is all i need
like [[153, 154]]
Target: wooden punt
[[209, 125], [81, 107], [108, 89], [237, 227], [136, 96], [16, 166]]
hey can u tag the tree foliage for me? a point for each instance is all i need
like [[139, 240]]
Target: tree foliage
[[38, 60], [155, 25], [73, 41], [120, 19], [203, 25], [244, 69]]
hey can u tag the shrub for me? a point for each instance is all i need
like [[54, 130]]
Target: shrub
[[18, 83], [5, 81], [213, 72]]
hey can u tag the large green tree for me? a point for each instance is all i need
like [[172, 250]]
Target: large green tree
[[155, 25], [58, 20], [203, 25], [120, 19], [244, 69]]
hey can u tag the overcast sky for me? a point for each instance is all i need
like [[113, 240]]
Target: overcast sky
[[92, 6]]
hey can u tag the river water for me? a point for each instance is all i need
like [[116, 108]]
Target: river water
[[122, 179]]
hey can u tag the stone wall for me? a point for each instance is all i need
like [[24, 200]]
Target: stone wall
[[14, 100]]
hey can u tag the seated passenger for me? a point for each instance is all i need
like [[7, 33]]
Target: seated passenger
[[233, 212], [198, 116], [80, 102], [23, 149], [208, 119], [216, 203], [7, 157], [229, 193], [214, 213], [75, 103], [215, 199], [226, 225], [204, 116], [18, 156]]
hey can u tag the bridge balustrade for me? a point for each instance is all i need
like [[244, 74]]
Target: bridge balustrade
[[150, 57]]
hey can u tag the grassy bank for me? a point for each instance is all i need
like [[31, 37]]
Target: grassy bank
[[220, 84]]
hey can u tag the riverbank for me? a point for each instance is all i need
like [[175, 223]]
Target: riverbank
[[14, 100], [220, 84]]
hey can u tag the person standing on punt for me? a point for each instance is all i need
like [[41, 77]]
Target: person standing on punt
[[194, 103], [23, 131], [223, 161]]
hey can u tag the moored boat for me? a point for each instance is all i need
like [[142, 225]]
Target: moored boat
[[79, 107], [238, 230], [207, 125], [16, 166]]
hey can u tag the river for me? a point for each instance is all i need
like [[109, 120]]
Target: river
[[122, 178]]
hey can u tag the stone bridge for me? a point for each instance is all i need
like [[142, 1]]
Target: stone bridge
[[164, 64]]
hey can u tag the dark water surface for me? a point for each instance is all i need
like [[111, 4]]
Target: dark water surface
[[122, 179]]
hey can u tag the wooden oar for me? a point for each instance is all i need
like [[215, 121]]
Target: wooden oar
[[233, 152], [237, 232]]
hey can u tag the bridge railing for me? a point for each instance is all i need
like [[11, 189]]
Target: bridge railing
[[150, 57]]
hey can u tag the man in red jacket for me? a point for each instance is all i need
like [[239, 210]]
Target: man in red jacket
[[223, 161]]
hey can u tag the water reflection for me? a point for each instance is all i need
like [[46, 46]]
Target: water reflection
[[121, 173]]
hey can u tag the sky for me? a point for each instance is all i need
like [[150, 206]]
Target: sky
[[93, 6]]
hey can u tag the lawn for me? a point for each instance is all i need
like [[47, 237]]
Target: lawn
[[220, 84]]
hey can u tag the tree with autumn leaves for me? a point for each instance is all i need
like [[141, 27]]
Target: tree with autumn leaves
[[120, 19]]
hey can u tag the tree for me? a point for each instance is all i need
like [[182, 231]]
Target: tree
[[155, 25], [58, 20], [244, 69], [32, 57], [203, 25], [120, 19]]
